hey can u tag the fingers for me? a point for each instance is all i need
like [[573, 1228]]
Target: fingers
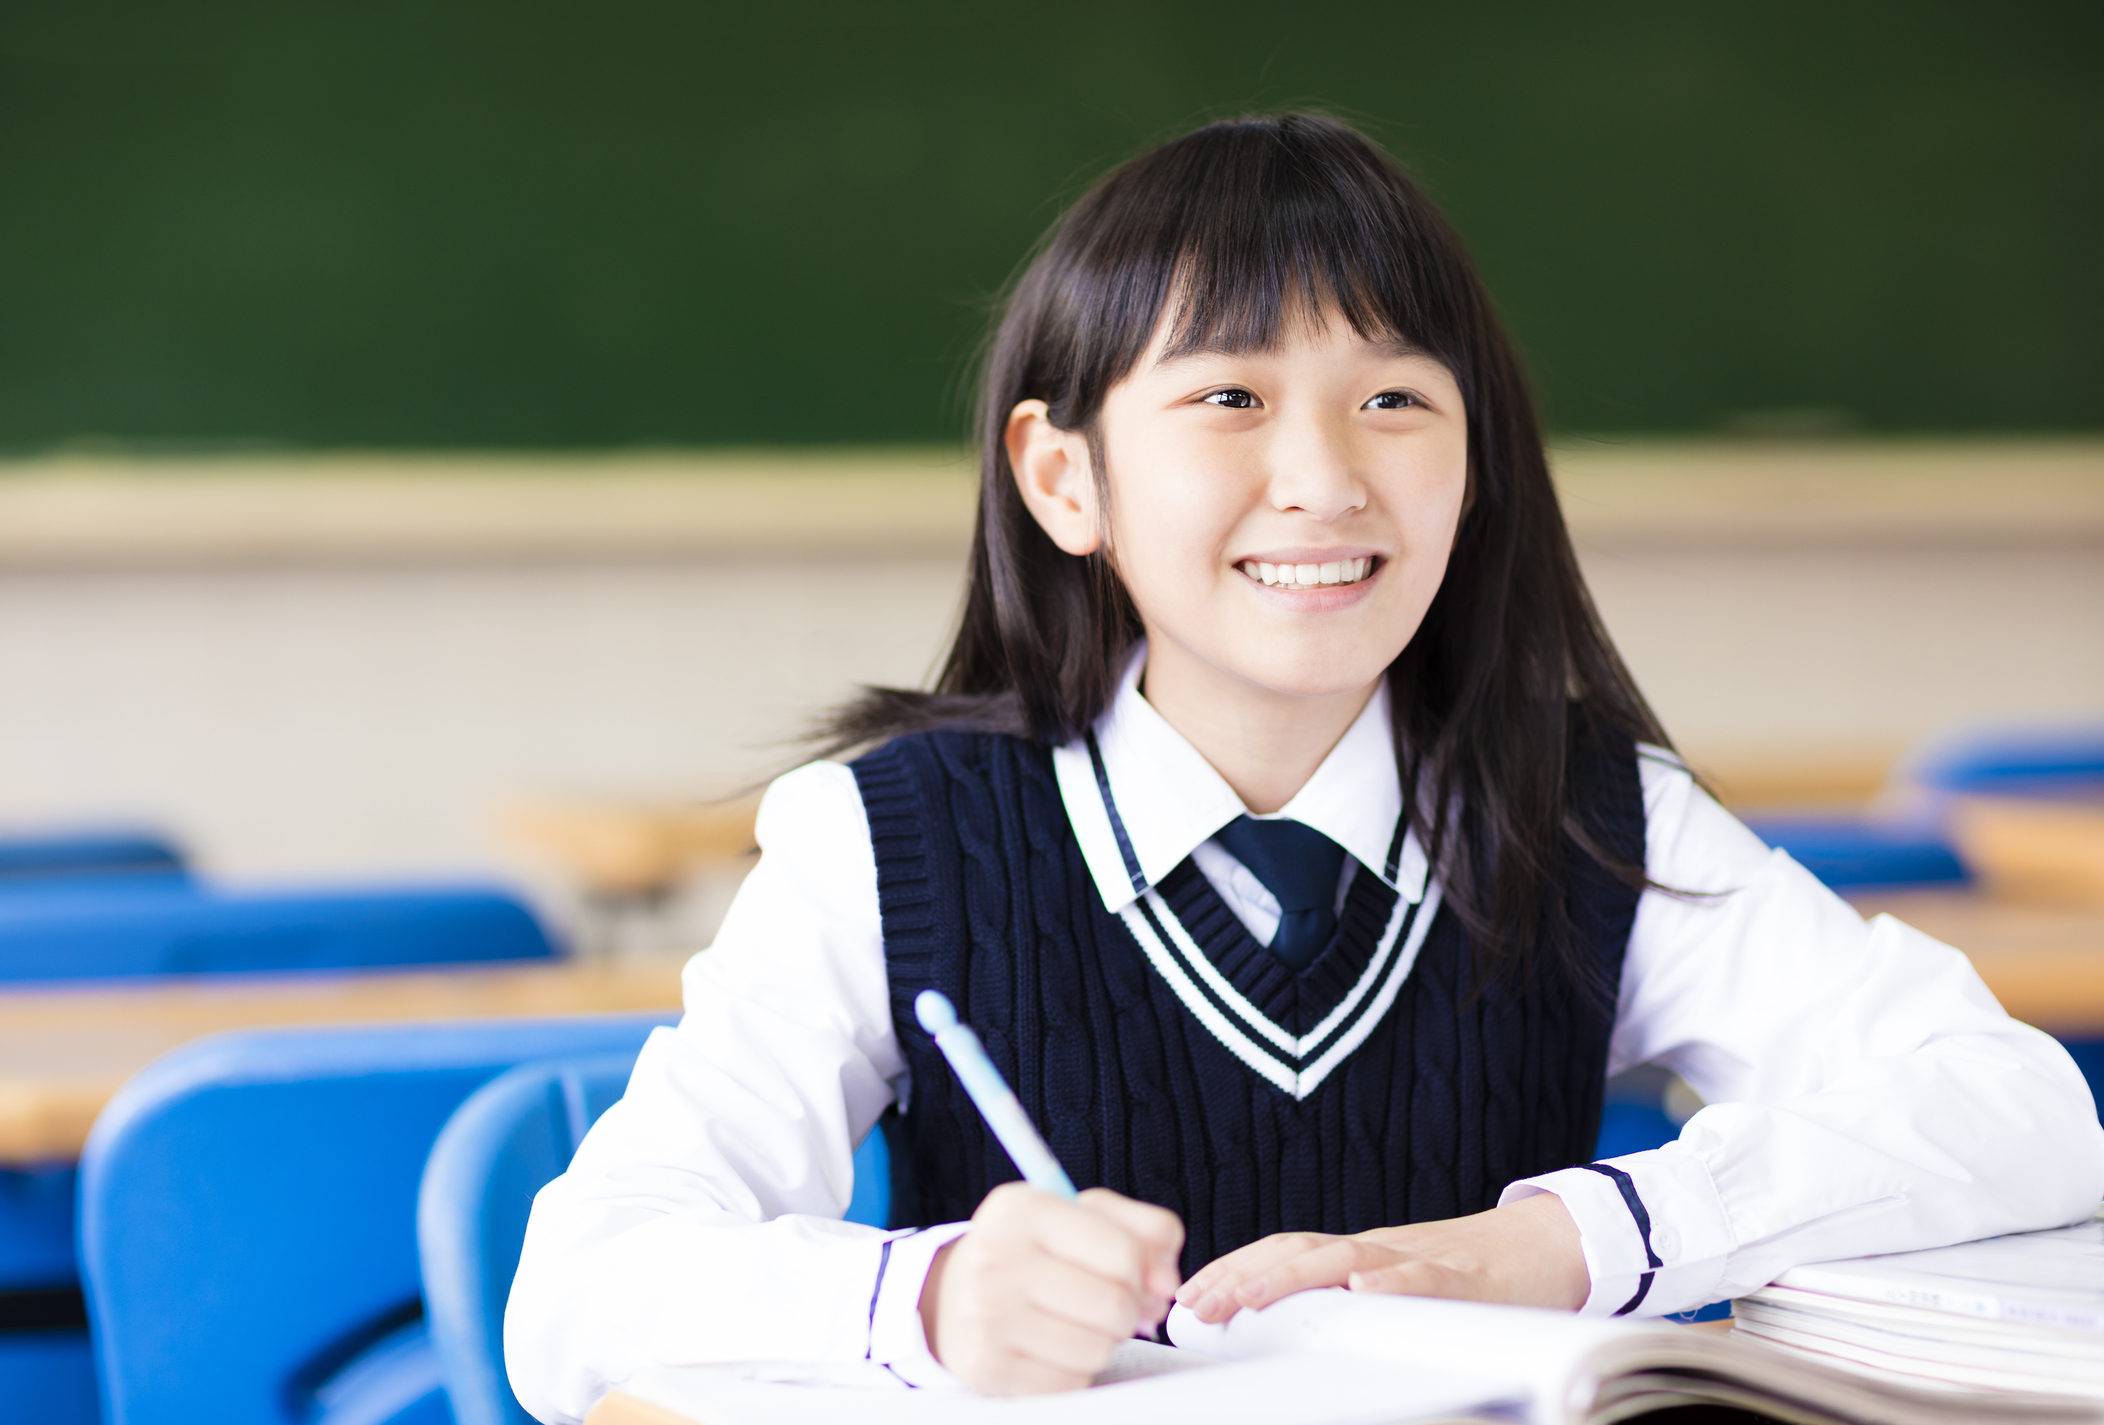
[[1102, 1232], [1241, 1277], [1041, 1290], [1061, 1345], [1159, 1231], [1327, 1262], [1110, 1309]]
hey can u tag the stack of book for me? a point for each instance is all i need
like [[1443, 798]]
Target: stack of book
[[2018, 1313]]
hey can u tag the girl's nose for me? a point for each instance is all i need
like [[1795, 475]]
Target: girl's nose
[[1312, 473]]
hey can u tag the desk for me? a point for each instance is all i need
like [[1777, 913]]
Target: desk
[[65, 1048], [619, 1409], [2044, 962]]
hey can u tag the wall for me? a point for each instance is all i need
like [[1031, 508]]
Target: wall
[[361, 674]]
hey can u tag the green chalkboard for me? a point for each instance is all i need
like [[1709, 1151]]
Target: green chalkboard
[[519, 224]]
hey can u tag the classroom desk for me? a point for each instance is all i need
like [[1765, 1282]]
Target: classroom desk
[[2044, 962], [618, 1409], [66, 1047]]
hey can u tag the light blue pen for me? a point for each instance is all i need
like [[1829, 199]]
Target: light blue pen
[[997, 1102]]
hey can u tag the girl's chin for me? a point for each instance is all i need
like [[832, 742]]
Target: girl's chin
[[1293, 675]]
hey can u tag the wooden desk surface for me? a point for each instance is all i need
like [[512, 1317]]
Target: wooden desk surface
[[619, 1409], [2045, 963], [66, 1047]]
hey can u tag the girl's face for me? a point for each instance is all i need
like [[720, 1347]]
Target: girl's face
[[1282, 518]]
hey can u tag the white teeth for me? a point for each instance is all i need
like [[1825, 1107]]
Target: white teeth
[[1307, 576]]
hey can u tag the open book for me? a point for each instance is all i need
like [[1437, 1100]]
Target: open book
[[1340, 1358]]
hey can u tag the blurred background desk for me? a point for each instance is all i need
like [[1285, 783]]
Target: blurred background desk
[[66, 1048], [2045, 963]]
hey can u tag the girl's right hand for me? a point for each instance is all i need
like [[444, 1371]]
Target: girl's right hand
[[1041, 1290]]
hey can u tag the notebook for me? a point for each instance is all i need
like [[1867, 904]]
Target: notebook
[[1343, 1358]]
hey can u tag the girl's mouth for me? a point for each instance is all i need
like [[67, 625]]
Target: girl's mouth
[[1307, 576]]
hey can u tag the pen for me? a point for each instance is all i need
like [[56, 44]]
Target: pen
[[996, 1102]]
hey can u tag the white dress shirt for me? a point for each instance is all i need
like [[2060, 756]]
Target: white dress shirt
[[1865, 1092]]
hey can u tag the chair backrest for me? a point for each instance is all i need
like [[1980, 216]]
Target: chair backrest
[[86, 851], [173, 927], [248, 1210], [1848, 852], [506, 1142], [2007, 761]]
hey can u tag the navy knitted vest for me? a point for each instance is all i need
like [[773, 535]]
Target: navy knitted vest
[[985, 896]]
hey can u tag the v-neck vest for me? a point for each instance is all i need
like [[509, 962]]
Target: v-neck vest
[[1166, 1054]]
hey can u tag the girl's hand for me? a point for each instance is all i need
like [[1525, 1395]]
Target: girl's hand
[[1040, 1291], [1525, 1254]]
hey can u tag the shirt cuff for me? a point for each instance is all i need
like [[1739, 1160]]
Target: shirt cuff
[[896, 1338], [1651, 1225]]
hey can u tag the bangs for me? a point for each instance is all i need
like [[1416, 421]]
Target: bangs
[[1244, 231]]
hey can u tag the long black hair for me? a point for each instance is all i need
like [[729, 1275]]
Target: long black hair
[[1243, 224]]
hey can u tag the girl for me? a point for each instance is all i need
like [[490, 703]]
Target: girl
[[1288, 828]]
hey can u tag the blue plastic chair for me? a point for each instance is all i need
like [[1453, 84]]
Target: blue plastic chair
[[506, 1142], [1910, 847], [2008, 761], [107, 923], [87, 851], [1856, 852], [248, 1218], [48, 1376], [174, 927]]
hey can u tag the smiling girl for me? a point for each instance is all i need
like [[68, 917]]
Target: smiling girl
[[1286, 825]]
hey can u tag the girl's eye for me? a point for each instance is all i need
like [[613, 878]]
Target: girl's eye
[[1393, 401], [1234, 398]]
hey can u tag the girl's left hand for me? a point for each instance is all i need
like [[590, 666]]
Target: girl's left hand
[[1524, 1254]]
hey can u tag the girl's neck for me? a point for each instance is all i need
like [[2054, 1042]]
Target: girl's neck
[[1265, 744]]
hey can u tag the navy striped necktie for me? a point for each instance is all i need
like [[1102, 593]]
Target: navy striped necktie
[[1300, 867]]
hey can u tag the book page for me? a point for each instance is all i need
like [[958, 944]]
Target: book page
[[2053, 1278], [1312, 1389], [1540, 1356]]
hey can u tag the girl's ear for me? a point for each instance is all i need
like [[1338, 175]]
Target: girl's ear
[[1052, 472]]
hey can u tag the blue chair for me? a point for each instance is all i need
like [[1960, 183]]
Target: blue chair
[[501, 1147], [1857, 852], [47, 1374], [169, 926], [1909, 847], [248, 1218], [1634, 1119], [102, 851], [2009, 761], [106, 923]]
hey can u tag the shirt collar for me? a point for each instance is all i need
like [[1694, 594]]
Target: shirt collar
[[1170, 799]]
